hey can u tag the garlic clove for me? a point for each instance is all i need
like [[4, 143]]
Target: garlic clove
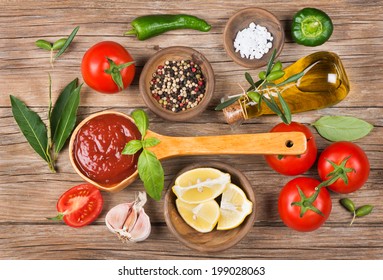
[[129, 220], [142, 228], [116, 217]]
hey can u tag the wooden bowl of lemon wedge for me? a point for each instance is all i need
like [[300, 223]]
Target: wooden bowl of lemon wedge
[[210, 207]]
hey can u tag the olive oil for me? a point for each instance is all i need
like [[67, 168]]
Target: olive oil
[[324, 84]]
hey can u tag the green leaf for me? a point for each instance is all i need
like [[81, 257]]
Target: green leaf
[[249, 79], [62, 100], [150, 142], [285, 108], [272, 104], [341, 128], [67, 120], [59, 44], [254, 96], [49, 127], [271, 62], [132, 147], [348, 204], [31, 126], [141, 120], [363, 210], [43, 44], [291, 79], [227, 103], [151, 173], [67, 42]]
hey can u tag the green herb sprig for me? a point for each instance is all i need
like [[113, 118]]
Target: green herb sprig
[[149, 167], [264, 90], [361, 211], [60, 45], [48, 140]]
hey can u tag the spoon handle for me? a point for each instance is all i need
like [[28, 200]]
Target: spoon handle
[[279, 143]]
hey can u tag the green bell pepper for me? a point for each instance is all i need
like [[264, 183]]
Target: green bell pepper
[[311, 27]]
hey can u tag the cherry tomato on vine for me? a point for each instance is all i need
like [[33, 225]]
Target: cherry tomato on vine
[[79, 206], [294, 165], [107, 67], [348, 162], [298, 207]]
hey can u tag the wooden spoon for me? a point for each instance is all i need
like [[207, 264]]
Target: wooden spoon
[[280, 143]]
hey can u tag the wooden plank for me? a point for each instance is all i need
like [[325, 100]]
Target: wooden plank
[[29, 192]]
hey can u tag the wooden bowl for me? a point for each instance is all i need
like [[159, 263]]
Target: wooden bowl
[[114, 188], [216, 240], [176, 53], [241, 20]]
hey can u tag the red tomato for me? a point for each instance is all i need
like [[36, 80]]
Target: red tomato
[[294, 165], [290, 214], [80, 205], [95, 62], [355, 171]]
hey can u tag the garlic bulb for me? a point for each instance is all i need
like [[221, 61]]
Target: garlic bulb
[[129, 220]]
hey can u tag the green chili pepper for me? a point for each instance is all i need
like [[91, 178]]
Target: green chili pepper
[[145, 27], [311, 27]]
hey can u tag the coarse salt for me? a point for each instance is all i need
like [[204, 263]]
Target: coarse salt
[[253, 42]]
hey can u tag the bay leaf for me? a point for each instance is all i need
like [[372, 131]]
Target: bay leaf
[[31, 126], [67, 120], [342, 128], [60, 104]]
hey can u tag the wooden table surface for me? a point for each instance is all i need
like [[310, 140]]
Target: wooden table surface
[[29, 191]]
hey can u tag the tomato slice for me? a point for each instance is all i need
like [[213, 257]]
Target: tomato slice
[[80, 205]]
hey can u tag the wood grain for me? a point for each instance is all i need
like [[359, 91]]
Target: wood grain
[[29, 192]]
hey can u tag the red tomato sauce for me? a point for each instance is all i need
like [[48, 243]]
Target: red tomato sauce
[[98, 146]]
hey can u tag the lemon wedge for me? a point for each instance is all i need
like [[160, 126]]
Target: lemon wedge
[[202, 217], [234, 208], [200, 185]]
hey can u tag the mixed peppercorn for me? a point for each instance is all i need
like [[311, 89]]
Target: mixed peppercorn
[[178, 85]]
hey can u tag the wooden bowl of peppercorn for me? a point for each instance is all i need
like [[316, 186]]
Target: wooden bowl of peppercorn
[[177, 83]]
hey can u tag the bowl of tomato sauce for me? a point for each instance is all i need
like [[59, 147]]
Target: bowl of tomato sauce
[[95, 150]]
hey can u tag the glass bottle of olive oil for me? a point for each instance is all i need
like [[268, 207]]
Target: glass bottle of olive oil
[[324, 84]]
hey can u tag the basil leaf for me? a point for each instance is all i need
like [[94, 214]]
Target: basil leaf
[[31, 126], [151, 173], [67, 120], [67, 42], [132, 147], [227, 103], [291, 79], [150, 142], [341, 128], [141, 120], [62, 100]]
